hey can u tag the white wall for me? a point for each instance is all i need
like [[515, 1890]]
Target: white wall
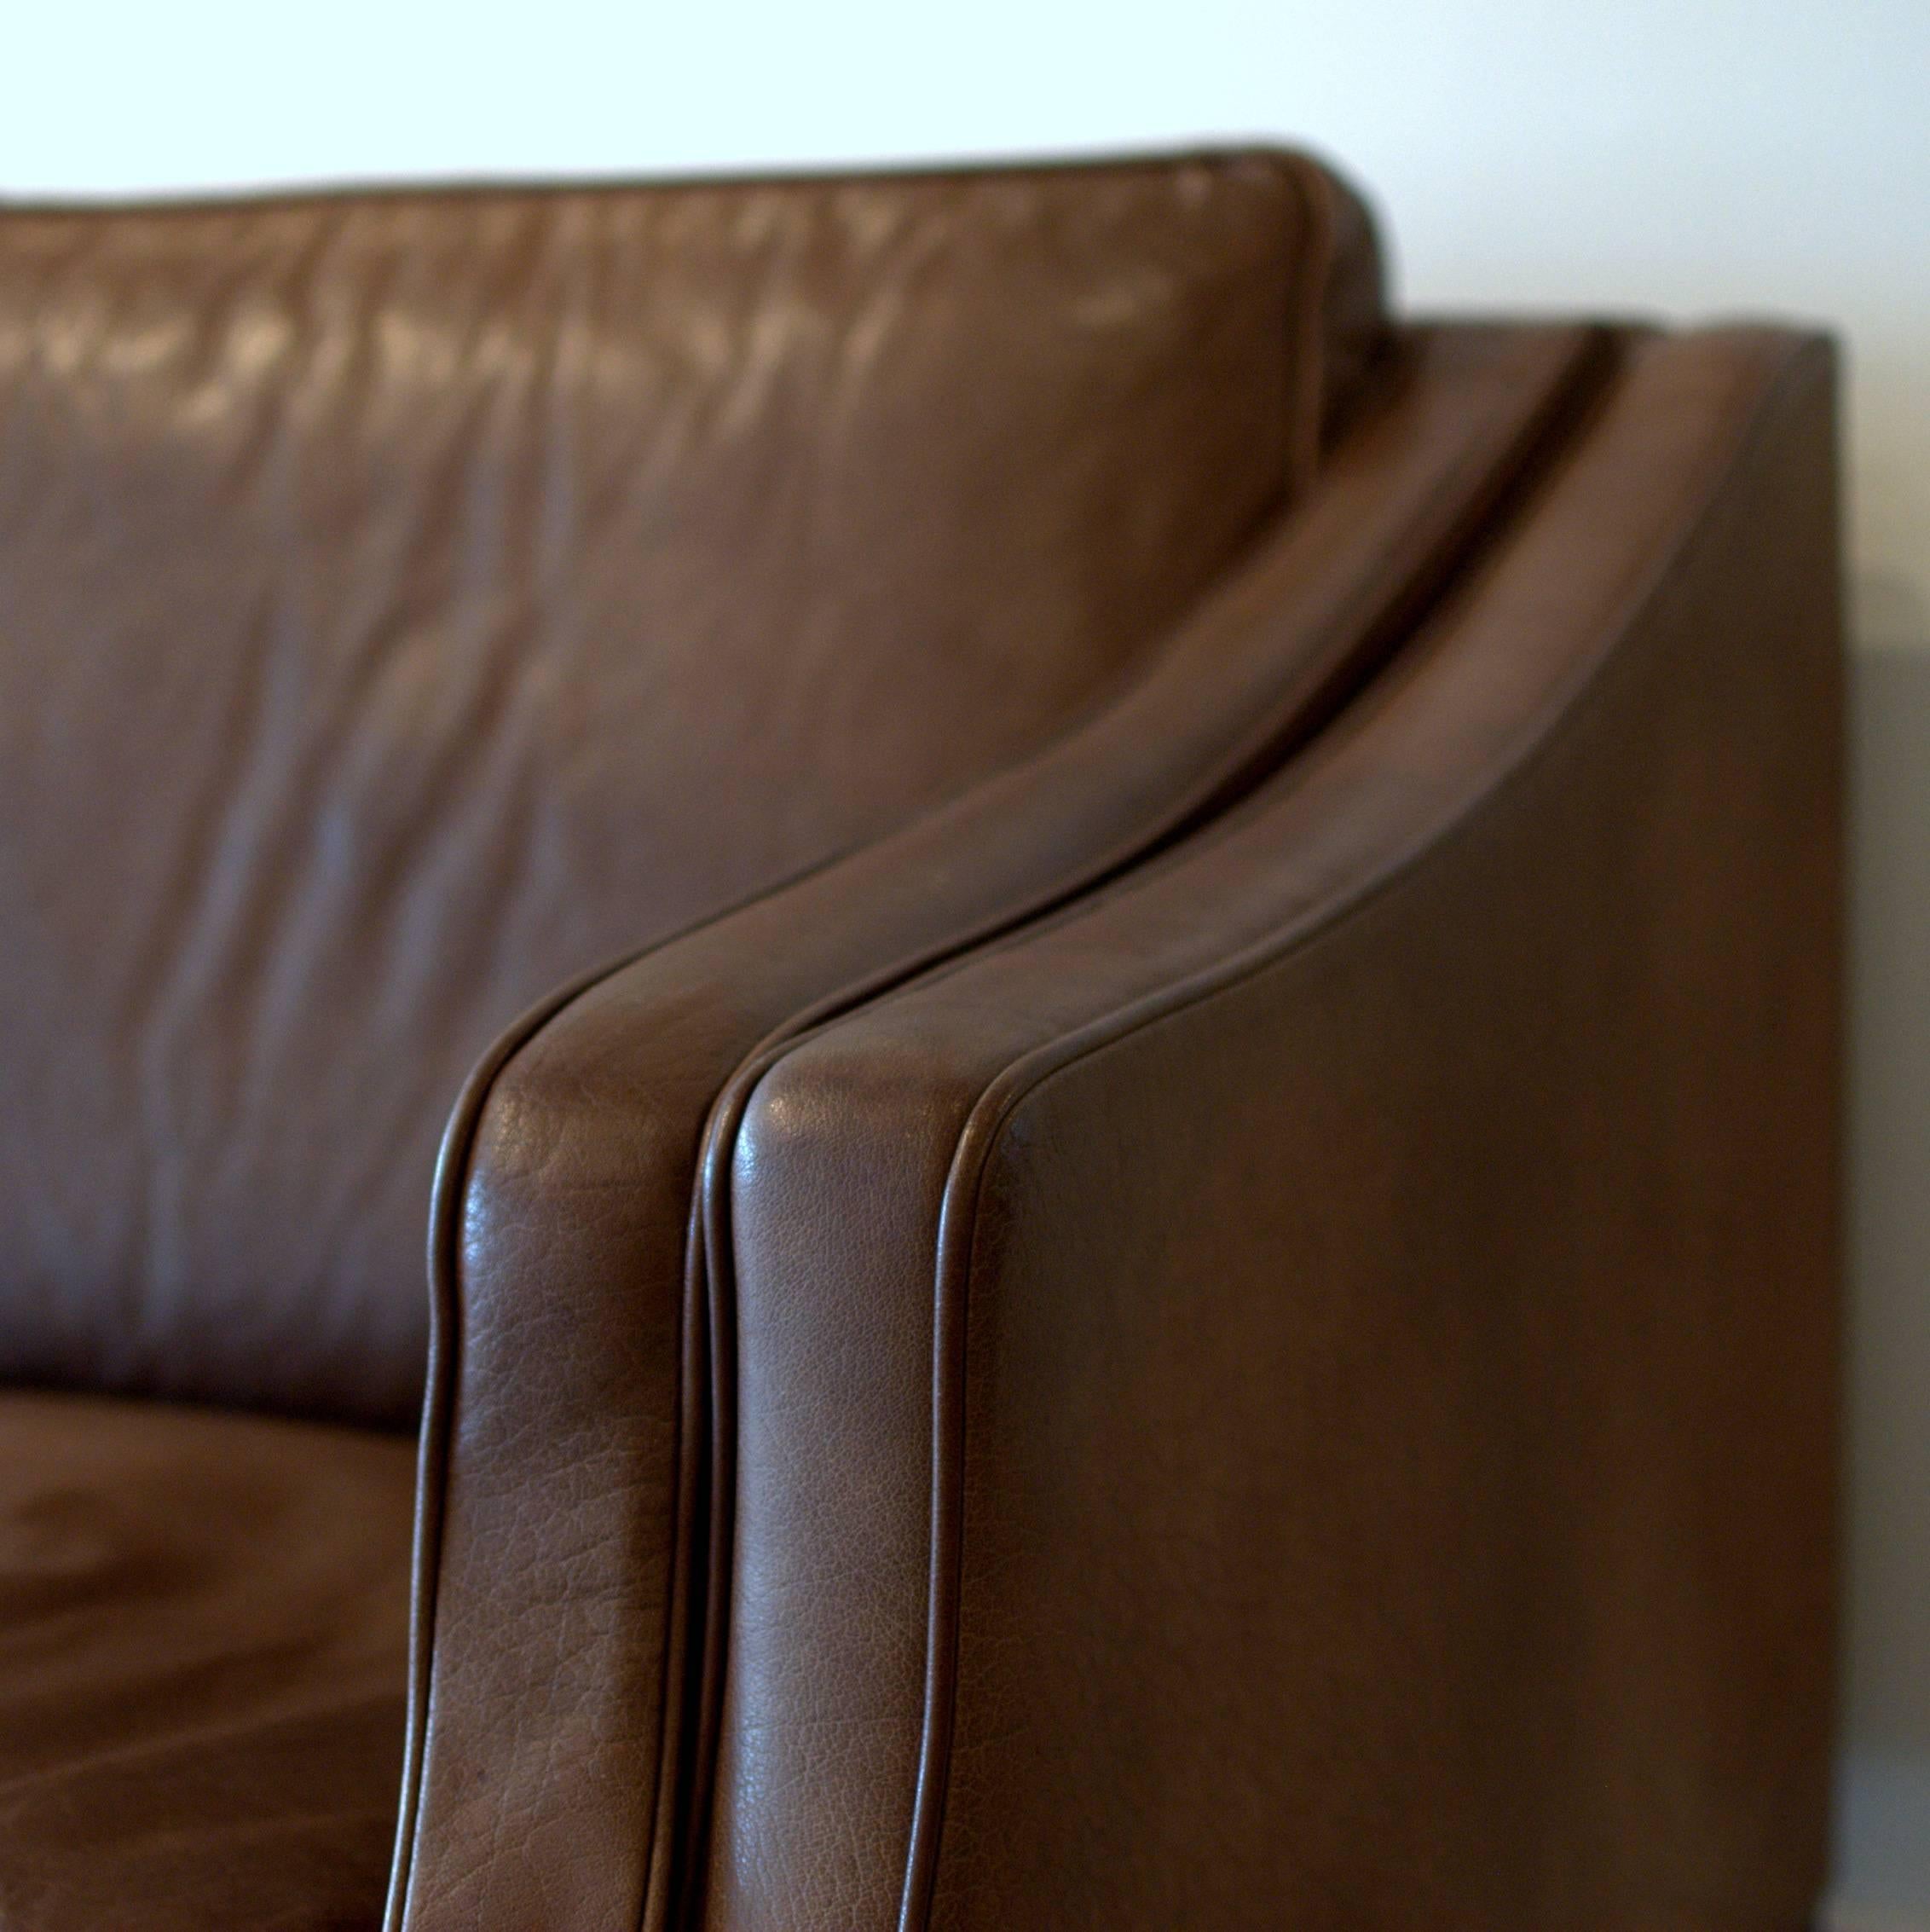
[[1689, 156]]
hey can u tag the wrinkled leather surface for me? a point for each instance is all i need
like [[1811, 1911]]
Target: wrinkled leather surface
[[406, 601], [202, 1623], [559, 1773], [1302, 1391]]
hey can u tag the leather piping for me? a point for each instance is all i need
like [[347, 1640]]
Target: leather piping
[[1377, 874], [445, 1348], [450, 1184], [1481, 524]]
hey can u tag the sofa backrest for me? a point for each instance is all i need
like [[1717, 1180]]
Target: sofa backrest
[[407, 600]]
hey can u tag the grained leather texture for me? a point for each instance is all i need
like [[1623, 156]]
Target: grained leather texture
[[202, 1664], [571, 1416], [1338, 1332], [408, 600]]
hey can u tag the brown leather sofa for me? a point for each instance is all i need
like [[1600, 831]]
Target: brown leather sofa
[[1161, 1248]]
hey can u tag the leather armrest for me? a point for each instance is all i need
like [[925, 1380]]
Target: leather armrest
[[1301, 1391], [567, 1532]]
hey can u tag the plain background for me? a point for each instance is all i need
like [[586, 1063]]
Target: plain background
[[1675, 157]]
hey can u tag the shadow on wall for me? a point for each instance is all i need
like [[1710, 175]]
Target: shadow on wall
[[1884, 1822]]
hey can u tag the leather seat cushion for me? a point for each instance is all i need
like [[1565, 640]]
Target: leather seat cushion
[[203, 1646]]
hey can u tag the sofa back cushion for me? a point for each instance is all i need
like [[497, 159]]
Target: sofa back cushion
[[408, 600]]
